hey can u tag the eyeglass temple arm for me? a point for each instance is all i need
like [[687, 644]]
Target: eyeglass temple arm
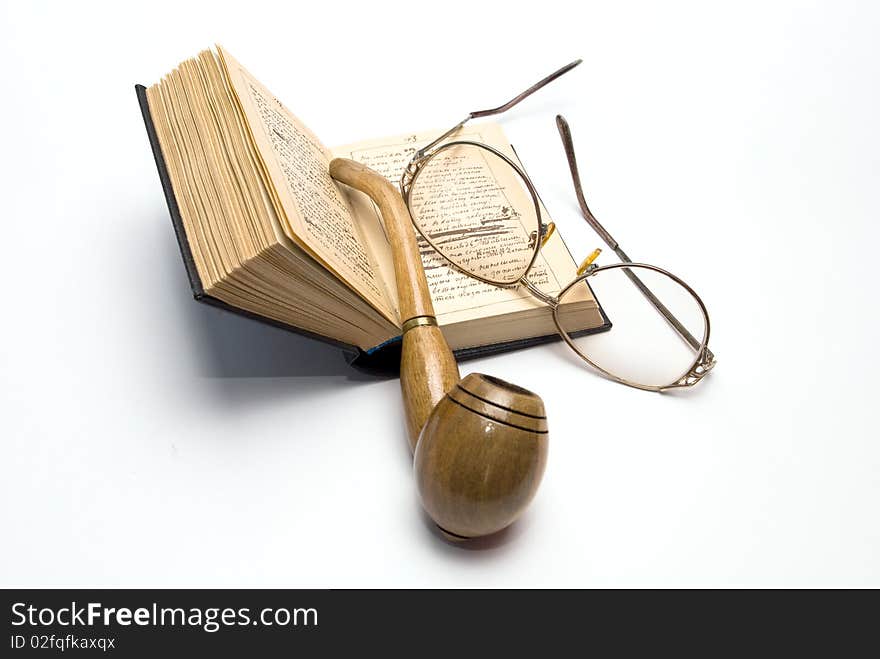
[[568, 145], [666, 313], [502, 108], [524, 95]]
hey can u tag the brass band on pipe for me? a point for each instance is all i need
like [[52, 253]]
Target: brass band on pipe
[[418, 321]]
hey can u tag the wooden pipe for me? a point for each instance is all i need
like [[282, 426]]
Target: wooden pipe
[[427, 366], [480, 444]]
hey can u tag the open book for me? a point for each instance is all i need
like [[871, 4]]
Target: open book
[[266, 231]]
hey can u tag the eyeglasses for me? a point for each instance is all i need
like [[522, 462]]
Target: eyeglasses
[[477, 208]]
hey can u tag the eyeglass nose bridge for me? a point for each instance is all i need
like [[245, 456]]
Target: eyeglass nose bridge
[[550, 300]]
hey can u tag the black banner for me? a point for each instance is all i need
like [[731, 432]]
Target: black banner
[[134, 623]]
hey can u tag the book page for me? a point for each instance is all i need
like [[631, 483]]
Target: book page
[[457, 297], [315, 215]]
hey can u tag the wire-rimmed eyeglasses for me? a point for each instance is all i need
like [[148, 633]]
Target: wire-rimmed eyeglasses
[[654, 328]]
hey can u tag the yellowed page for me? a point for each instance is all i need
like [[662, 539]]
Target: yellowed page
[[315, 214], [457, 297]]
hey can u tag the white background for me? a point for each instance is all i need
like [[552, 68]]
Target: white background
[[150, 440]]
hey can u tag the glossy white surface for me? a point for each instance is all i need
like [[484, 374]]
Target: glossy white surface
[[148, 440]]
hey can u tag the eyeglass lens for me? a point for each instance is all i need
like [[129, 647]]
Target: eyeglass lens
[[642, 346], [477, 212]]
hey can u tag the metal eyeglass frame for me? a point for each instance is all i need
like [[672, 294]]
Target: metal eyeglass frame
[[704, 359]]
